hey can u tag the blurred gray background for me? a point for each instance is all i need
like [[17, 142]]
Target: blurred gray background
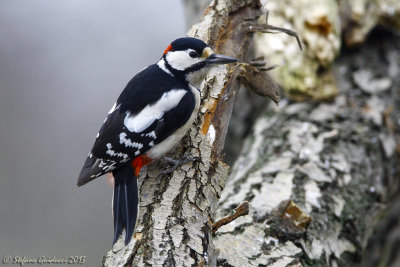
[[62, 66]]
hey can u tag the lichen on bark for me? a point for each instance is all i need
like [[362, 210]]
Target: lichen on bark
[[336, 161], [322, 25]]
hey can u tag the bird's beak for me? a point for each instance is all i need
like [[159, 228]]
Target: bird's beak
[[220, 59]]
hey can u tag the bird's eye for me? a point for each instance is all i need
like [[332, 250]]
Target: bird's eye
[[194, 54]]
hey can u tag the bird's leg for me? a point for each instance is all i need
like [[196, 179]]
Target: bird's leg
[[175, 163], [110, 179]]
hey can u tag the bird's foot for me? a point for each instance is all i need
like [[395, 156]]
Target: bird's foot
[[175, 163], [110, 179]]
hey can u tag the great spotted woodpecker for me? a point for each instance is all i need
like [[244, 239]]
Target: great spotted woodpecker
[[150, 117]]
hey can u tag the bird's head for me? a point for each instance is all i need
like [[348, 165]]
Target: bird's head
[[190, 59]]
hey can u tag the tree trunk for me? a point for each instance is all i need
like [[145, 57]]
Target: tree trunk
[[318, 176], [175, 211]]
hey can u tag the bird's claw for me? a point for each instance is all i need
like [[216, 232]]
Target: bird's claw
[[175, 163]]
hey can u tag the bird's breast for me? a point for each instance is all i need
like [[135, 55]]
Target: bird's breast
[[166, 145]]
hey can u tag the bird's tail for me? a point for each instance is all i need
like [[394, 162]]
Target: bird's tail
[[125, 202]]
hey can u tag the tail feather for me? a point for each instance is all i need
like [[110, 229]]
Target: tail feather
[[125, 203], [118, 220]]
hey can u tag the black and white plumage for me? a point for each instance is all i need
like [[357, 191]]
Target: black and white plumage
[[150, 117]]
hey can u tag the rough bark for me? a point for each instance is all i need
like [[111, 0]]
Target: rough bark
[[322, 26], [175, 211], [383, 248], [306, 75], [193, 10], [338, 164], [360, 17]]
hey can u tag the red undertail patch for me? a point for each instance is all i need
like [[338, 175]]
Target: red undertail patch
[[139, 162]]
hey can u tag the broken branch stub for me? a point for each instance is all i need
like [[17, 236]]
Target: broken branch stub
[[258, 82], [251, 77], [241, 210], [267, 28]]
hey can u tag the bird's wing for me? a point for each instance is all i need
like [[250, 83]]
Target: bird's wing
[[103, 158], [125, 135]]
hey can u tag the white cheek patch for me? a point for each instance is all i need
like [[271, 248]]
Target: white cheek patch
[[139, 122], [181, 60]]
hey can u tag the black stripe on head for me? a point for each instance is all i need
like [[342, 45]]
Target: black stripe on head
[[181, 74]]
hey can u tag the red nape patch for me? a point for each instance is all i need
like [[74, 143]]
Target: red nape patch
[[169, 48], [139, 162]]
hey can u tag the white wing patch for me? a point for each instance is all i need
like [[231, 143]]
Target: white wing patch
[[139, 122], [106, 166], [152, 134], [128, 142], [115, 154]]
